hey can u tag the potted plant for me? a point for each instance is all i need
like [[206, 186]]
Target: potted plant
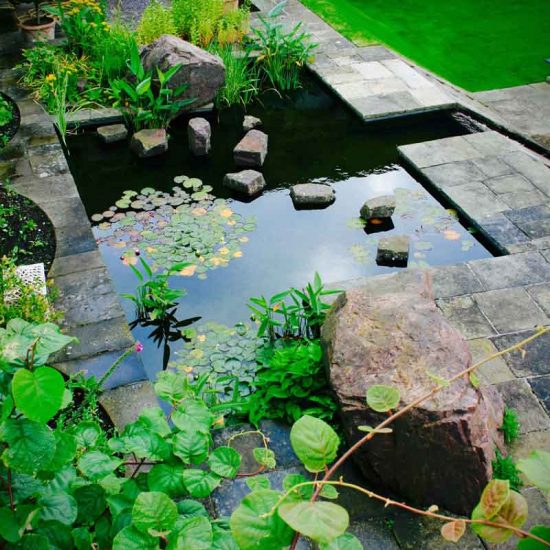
[[9, 119], [37, 26]]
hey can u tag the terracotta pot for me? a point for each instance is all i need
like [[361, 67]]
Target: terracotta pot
[[38, 33]]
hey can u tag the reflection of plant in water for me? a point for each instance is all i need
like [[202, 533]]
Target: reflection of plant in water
[[187, 225], [156, 305]]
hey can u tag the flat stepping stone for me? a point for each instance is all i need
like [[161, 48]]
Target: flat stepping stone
[[393, 250], [251, 150], [378, 207], [251, 122], [199, 134], [149, 143], [248, 182], [312, 194], [112, 133]]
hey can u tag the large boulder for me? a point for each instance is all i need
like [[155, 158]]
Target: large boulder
[[201, 71], [391, 333]]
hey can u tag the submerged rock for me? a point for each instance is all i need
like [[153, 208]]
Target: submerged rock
[[378, 207], [251, 150], [248, 182], [202, 72], [312, 194], [198, 134], [149, 143], [251, 122], [393, 250], [112, 133], [390, 332]]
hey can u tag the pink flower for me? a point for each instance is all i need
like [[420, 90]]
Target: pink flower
[[139, 347]]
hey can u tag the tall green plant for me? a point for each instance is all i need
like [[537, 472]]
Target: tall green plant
[[155, 21]]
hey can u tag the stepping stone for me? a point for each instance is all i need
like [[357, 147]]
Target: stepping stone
[[378, 207], [251, 122], [312, 194], [248, 182], [251, 150], [149, 143], [198, 134], [112, 133], [393, 250]]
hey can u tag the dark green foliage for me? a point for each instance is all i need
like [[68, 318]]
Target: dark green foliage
[[290, 383], [510, 425], [504, 467]]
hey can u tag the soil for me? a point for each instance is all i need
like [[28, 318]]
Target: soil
[[26, 232]]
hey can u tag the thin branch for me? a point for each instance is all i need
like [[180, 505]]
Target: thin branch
[[10, 491]]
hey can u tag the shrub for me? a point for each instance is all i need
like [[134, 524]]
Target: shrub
[[155, 21], [504, 467], [510, 425]]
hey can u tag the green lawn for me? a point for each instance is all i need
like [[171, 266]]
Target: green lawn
[[476, 44]]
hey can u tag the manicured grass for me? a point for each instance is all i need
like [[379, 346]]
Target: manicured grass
[[476, 44]]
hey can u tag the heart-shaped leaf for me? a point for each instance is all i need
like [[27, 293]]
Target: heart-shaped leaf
[[382, 398]]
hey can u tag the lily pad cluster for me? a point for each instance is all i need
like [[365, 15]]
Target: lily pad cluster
[[187, 225], [224, 351]]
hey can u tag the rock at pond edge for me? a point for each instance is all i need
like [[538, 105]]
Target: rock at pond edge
[[248, 182], [112, 133], [251, 150], [149, 143], [198, 135], [312, 194]]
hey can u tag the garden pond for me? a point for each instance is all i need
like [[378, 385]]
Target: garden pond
[[173, 208]]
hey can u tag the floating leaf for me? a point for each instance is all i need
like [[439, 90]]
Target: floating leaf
[[451, 235]]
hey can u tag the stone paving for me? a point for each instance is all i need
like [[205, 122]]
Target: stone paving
[[36, 167]]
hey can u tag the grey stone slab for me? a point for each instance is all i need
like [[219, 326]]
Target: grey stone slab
[[66, 212], [465, 315], [129, 371], [124, 404], [541, 386], [509, 271], [441, 151], [74, 240], [411, 77], [541, 295], [534, 169], [476, 200], [81, 309], [453, 173], [511, 183], [510, 309], [546, 255], [48, 164], [533, 221], [492, 143], [493, 167], [384, 106], [524, 199], [536, 359], [493, 371], [76, 263], [375, 53], [374, 534], [97, 338], [501, 231], [84, 283], [518, 395], [454, 280], [41, 190]]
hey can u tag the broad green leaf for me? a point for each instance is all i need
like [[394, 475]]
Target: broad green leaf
[[347, 541], [453, 530], [170, 386], [382, 398], [192, 534], [87, 434], [34, 541], [314, 442], [319, 521], [154, 513], [225, 461], [82, 538], [191, 446], [91, 502], [58, 534], [60, 507], [264, 457], [65, 450], [96, 464], [13, 524], [199, 483], [256, 483], [494, 496], [131, 538], [155, 419], [167, 478], [536, 468], [142, 442], [541, 531], [193, 415], [38, 394], [223, 540], [191, 509], [254, 528], [31, 446]]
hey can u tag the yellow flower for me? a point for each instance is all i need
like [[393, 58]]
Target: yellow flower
[[223, 251], [51, 77]]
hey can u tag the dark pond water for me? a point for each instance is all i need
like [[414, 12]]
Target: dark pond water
[[268, 245]]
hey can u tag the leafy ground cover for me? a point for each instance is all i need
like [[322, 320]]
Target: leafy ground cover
[[478, 45]]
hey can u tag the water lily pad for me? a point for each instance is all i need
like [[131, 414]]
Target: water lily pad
[[97, 217], [356, 223], [147, 191], [180, 179]]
